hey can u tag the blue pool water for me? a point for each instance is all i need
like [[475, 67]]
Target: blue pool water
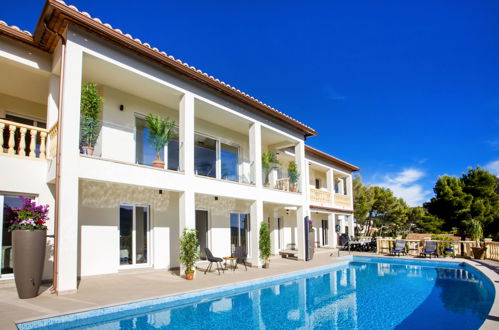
[[364, 293]]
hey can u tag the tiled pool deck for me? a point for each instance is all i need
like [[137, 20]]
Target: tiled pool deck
[[101, 291]]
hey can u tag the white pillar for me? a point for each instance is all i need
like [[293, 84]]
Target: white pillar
[[52, 102], [255, 153], [256, 217], [351, 231], [275, 232], [186, 214], [302, 168], [301, 213], [341, 186], [186, 134], [341, 218], [330, 182], [333, 238], [350, 189], [67, 235]]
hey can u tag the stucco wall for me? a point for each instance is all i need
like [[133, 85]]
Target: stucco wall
[[98, 218]]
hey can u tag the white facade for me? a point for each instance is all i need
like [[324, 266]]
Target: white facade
[[116, 211]]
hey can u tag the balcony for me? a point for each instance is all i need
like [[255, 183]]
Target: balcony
[[320, 196], [26, 141], [342, 200]]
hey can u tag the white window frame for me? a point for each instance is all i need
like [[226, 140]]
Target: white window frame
[[150, 255]]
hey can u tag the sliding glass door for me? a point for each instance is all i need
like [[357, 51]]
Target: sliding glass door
[[8, 202], [134, 226], [239, 231]]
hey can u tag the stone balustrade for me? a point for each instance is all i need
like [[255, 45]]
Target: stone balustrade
[[22, 140]]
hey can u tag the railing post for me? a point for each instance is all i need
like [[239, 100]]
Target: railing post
[[43, 136], [22, 142], [12, 132], [2, 126], [32, 144]]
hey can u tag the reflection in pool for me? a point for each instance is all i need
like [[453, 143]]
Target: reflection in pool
[[365, 294]]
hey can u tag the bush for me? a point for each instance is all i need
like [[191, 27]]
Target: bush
[[264, 243], [189, 249]]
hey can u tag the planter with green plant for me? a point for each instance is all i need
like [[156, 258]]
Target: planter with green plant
[[269, 162], [189, 251], [475, 231], [264, 244], [293, 175], [90, 108], [160, 133]]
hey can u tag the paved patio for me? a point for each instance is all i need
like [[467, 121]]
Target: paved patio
[[107, 290]]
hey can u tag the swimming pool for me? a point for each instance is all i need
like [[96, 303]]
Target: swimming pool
[[361, 293]]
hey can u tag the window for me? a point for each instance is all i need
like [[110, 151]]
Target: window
[[145, 154], [134, 234], [317, 183], [216, 159], [230, 159], [205, 155], [239, 231]]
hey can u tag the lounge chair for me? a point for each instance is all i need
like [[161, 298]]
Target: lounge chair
[[240, 255], [212, 259], [431, 248], [399, 247]]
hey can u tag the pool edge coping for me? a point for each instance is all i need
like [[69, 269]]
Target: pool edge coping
[[489, 323]]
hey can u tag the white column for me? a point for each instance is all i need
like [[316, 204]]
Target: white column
[[341, 186], [67, 235], [301, 213], [255, 153], [302, 169], [351, 231], [330, 180], [256, 217], [53, 99], [350, 189], [186, 214], [275, 232], [186, 134], [333, 237], [341, 218]]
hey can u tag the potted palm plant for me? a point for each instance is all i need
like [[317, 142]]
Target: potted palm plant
[[29, 233], [293, 175], [90, 107], [160, 133], [264, 244], [189, 251], [269, 162], [475, 231]]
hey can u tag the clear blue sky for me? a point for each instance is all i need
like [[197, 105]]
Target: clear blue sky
[[406, 90]]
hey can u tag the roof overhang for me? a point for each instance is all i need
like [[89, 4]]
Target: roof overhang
[[57, 15], [331, 159], [330, 209]]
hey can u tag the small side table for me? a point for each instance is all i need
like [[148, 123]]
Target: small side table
[[233, 262]]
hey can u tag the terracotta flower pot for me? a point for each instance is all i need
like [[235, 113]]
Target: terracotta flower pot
[[29, 257], [158, 163], [88, 150], [189, 276], [266, 264]]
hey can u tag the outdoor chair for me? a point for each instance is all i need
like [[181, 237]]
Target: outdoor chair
[[399, 247], [240, 254], [212, 259], [431, 248]]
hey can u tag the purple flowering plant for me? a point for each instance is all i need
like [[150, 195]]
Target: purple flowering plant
[[29, 216]]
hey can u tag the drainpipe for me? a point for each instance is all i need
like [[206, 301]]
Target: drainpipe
[[53, 289]]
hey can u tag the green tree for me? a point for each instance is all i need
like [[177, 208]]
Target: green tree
[[421, 221], [362, 201], [189, 249], [472, 196], [388, 213]]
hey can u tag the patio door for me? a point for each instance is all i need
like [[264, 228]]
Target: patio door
[[239, 231], [202, 230], [325, 227], [134, 231], [7, 202]]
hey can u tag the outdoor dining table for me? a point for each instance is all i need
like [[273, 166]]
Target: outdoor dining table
[[359, 243]]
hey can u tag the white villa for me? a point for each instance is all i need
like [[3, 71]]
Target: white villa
[[113, 210]]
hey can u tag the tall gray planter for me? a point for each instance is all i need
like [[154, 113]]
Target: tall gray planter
[[29, 257], [311, 244]]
